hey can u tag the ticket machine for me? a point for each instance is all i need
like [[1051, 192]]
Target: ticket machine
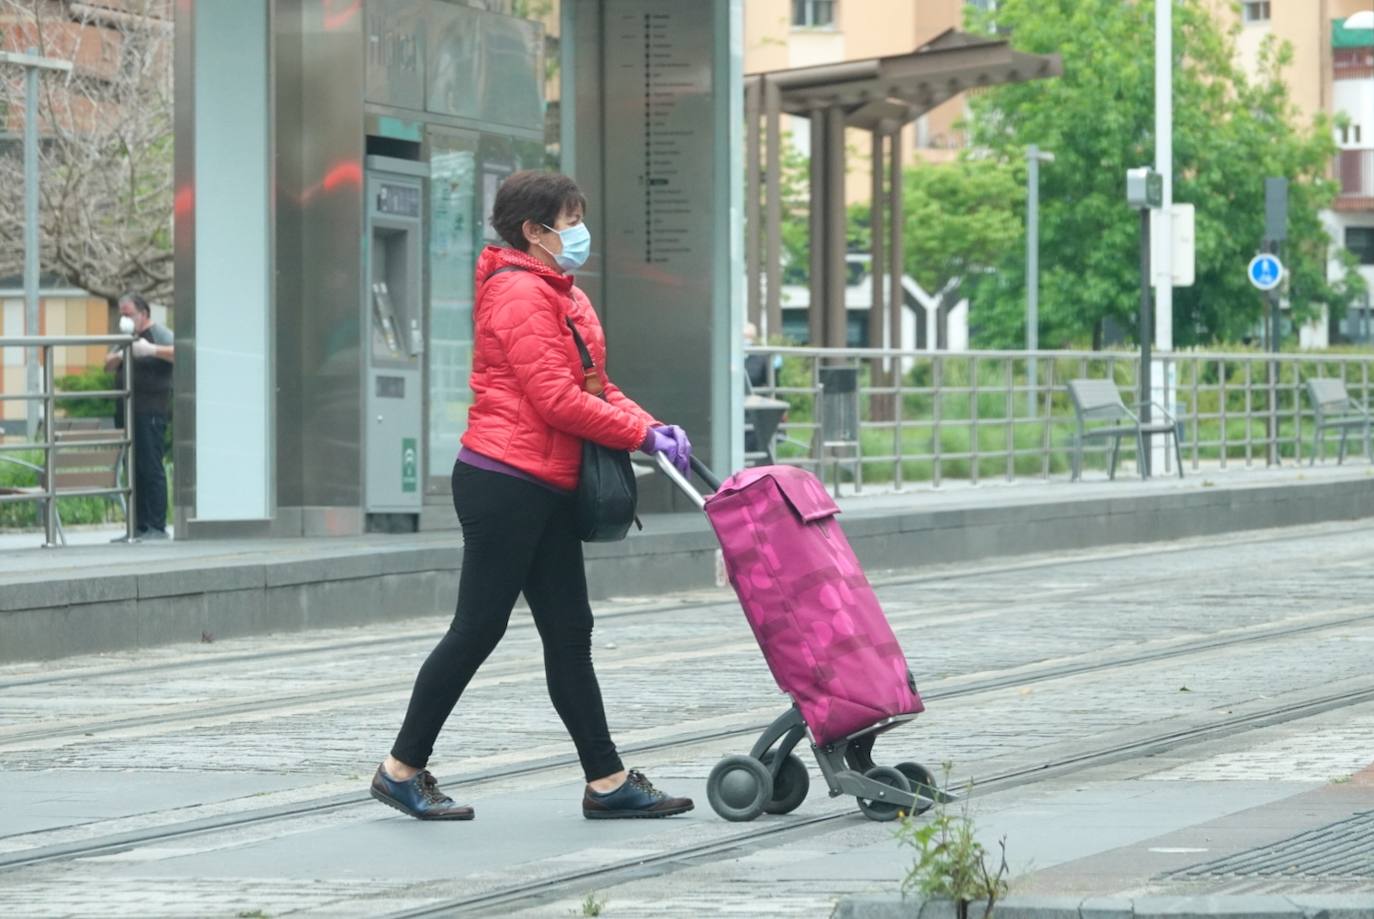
[[393, 298]]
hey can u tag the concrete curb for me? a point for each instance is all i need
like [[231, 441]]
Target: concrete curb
[[47, 614], [1260, 906]]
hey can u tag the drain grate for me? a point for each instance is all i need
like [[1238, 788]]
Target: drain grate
[[1338, 850]]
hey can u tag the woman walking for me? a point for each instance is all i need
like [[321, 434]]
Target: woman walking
[[512, 488]]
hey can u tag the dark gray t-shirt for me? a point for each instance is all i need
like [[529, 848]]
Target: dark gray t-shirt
[[153, 376]]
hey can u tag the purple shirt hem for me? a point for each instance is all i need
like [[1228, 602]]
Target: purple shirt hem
[[478, 461]]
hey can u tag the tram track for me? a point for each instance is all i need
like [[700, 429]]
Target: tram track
[[542, 890], [362, 693], [348, 693], [1025, 675]]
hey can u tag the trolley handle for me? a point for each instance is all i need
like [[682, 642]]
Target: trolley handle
[[681, 481], [705, 474]]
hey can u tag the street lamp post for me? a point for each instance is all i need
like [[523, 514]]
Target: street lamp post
[[1144, 193], [1161, 373], [31, 63], [1034, 157]]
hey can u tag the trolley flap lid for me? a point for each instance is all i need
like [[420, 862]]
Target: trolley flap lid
[[803, 491]]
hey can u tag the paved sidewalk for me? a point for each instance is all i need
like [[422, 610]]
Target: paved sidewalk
[[228, 779]]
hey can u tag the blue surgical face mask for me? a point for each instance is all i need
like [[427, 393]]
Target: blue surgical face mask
[[577, 245]]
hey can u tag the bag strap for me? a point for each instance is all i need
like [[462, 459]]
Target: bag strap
[[500, 270], [588, 364]]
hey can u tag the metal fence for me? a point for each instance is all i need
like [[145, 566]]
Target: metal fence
[[54, 479], [1006, 414]]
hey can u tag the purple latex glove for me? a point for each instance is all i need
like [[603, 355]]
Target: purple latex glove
[[672, 442]]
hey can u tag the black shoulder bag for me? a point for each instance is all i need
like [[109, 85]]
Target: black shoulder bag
[[606, 491]]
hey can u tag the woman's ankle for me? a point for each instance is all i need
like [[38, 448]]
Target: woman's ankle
[[609, 783], [398, 771]]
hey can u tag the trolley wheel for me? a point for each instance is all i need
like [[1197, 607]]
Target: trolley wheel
[[739, 788], [922, 783], [790, 786], [881, 810]]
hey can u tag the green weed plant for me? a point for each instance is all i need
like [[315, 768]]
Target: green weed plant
[[951, 863]]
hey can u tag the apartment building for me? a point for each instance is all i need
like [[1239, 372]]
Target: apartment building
[[782, 34], [1332, 73]]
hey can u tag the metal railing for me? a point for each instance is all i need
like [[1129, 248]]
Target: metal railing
[[968, 415], [48, 493]]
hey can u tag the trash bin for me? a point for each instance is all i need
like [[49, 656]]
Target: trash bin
[[839, 420]]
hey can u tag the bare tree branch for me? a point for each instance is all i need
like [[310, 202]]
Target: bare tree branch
[[106, 186]]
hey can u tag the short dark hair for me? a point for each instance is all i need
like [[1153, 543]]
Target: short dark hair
[[533, 195], [137, 300]]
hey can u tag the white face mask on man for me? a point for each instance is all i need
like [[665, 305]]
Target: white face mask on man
[[126, 325]]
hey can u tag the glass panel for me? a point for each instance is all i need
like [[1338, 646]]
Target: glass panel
[[396, 53], [453, 237], [486, 66], [233, 267], [496, 161]]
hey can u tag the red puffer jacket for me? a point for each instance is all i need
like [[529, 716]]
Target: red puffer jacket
[[530, 409]]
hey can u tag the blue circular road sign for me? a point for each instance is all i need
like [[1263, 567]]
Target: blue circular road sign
[[1265, 271]]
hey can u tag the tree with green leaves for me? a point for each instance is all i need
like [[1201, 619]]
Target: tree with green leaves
[[959, 220], [1231, 130]]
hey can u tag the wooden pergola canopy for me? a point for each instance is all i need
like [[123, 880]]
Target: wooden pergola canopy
[[903, 87], [880, 95]]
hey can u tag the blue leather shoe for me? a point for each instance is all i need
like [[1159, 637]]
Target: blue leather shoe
[[636, 798], [418, 796]]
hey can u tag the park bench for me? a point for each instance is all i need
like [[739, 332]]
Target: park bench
[[77, 464], [1335, 409], [1099, 401]]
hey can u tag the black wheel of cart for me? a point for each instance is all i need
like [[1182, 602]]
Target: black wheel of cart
[[790, 786], [739, 788], [922, 783], [878, 809]]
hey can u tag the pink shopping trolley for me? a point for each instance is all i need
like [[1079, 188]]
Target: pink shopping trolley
[[826, 640]]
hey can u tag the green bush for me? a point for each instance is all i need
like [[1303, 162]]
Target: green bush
[[93, 379]]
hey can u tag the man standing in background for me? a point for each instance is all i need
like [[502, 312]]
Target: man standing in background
[[153, 354]]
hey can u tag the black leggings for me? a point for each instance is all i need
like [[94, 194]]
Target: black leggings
[[517, 537]]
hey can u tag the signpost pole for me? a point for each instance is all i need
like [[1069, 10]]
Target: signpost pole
[[1275, 232], [1272, 295], [1146, 331], [1266, 274], [32, 63]]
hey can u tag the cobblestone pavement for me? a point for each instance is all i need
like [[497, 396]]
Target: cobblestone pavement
[[97, 746]]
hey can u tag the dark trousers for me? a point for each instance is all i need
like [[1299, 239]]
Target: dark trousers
[[517, 537], [150, 477]]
